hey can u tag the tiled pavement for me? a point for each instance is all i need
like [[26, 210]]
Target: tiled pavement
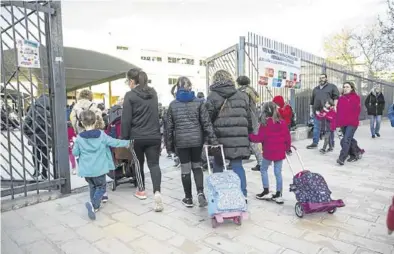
[[127, 225]]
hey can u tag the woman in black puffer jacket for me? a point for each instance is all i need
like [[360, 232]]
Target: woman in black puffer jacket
[[229, 112], [188, 126]]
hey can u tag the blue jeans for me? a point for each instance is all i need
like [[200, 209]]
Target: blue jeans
[[375, 128], [348, 143], [277, 171], [236, 166], [316, 132], [97, 188]]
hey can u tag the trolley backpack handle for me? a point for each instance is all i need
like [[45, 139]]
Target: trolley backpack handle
[[206, 147], [299, 158]]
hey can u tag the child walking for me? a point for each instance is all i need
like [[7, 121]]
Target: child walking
[[275, 138], [328, 126], [95, 159]]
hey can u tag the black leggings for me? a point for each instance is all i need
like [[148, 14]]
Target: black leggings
[[151, 149], [41, 158], [190, 159]]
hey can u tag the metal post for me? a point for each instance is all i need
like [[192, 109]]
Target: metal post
[[57, 83], [110, 93], [241, 56]]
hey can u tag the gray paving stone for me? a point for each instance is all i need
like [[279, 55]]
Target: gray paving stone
[[365, 243], [329, 243], [365, 251], [148, 244], [59, 234], [12, 220], [79, 246], [122, 232], [9, 246], [113, 246], [226, 245], [42, 247], [263, 246], [25, 235], [156, 231], [188, 246], [91, 232], [292, 243]]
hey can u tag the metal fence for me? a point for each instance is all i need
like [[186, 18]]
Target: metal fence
[[242, 59], [34, 144]]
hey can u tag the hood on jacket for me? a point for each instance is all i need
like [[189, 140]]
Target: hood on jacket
[[145, 92], [91, 135], [224, 88], [278, 100], [184, 95], [43, 102]]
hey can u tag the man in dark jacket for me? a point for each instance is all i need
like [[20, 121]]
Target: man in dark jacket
[[37, 127], [187, 116], [320, 95], [375, 105], [230, 114]]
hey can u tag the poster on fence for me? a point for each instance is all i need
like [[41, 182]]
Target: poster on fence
[[28, 54], [279, 70]]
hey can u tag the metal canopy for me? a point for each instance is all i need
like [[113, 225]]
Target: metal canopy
[[84, 68]]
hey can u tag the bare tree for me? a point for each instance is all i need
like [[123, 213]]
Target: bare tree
[[340, 48], [371, 48], [387, 26]]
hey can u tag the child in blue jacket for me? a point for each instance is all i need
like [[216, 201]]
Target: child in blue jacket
[[95, 159]]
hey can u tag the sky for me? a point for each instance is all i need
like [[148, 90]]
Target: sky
[[205, 27]]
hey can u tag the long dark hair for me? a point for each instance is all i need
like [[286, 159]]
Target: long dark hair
[[139, 77], [182, 82], [269, 109]]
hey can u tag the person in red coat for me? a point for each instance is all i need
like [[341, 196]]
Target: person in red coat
[[348, 111], [285, 112], [275, 137]]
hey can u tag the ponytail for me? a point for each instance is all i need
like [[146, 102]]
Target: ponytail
[[173, 90], [139, 76]]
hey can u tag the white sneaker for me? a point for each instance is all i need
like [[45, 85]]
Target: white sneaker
[[158, 202]]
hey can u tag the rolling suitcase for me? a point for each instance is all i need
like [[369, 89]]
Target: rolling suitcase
[[224, 195]]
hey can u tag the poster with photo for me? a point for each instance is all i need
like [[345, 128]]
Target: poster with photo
[[279, 70], [28, 53]]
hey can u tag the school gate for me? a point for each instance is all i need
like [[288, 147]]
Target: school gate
[[243, 59], [31, 65]]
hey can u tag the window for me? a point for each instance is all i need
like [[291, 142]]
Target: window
[[122, 48], [180, 60], [203, 63], [151, 58], [172, 81]]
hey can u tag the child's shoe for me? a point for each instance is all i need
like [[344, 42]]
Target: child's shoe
[[323, 151], [278, 198], [140, 195], [188, 202], [265, 195], [104, 199], [91, 211]]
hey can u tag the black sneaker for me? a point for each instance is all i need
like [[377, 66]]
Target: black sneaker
[[278, 198], [322, 151], [377, 134], [188, 202], [202, 201], [312, 146], [352, 159], [330, 149], [256, 168], [340, 162], [373, 136], [265, 195]]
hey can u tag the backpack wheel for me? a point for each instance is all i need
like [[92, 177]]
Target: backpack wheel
[[332, 210], [299, 210], [238, 220], [214, 222]]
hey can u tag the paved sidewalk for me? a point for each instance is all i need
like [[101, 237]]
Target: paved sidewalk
[[126, 225]]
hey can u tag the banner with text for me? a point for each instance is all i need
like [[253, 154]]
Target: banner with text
[[279, 70]]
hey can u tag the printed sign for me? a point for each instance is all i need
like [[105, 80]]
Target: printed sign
[[28, 54], [279, 70]]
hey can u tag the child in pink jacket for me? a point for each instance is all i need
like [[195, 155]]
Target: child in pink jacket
[[71, 136], [275, 137], [327, 117]]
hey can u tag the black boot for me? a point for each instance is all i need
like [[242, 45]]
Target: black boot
[[187, 188], [256, 168]]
